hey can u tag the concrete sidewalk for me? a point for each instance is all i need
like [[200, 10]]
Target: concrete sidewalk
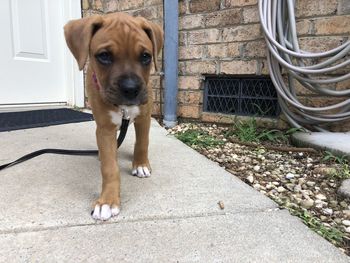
[[171, 217], [337, 143]]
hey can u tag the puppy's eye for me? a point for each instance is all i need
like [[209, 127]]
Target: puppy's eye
[[104, 58], [145, 58]]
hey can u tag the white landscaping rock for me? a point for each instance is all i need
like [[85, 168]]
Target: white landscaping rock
[[344, 189], [308, 203], [321, 197], [328, 211], [290, 176], [346, 222], [250, 179], [256, 168]]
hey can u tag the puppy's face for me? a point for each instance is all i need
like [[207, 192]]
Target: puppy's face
[[121, 49], [121, 55]]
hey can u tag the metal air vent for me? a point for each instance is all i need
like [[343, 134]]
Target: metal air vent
[[248, 96]]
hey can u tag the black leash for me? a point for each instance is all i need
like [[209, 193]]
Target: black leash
[[121, 137]]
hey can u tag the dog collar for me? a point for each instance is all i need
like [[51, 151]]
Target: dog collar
[[97, 85]]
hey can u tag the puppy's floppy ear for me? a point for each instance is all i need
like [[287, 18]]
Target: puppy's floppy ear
[[156, 35], [78, 34]]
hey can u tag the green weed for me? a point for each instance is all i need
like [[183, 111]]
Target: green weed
[[343, 172], [249, 132], [332, 234], [328, 156], [193, 137]]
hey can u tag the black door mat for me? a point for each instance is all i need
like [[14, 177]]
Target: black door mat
[[10, 121]]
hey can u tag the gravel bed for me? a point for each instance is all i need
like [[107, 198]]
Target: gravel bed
[[299, 181]]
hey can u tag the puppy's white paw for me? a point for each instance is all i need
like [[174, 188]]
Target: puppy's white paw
[[141, 171], [105, 212]]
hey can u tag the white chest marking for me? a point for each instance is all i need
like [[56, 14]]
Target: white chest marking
[[131, 111]]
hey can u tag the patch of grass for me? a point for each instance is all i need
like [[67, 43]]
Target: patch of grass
[[332, 234], [246, 131], [344, 171], [249, 132], [328, 156], [193, 137]]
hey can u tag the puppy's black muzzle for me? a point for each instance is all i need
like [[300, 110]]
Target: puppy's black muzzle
[[130, 86]]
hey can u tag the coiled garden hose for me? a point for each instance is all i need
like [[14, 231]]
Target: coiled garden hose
[[315, 71]]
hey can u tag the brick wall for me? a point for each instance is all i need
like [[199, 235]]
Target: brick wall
[[224, 37]]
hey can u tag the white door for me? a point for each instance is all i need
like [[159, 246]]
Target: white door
[[33, 56]]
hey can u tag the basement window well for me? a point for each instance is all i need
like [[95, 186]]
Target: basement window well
[[241, 95]]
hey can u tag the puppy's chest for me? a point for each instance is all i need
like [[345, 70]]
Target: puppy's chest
[[130, 111]]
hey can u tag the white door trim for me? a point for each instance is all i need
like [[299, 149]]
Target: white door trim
[[74, 78]]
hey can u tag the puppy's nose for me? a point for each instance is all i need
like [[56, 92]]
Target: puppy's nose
[[129, 87]]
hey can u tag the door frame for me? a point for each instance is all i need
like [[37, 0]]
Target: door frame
[[74, 78]]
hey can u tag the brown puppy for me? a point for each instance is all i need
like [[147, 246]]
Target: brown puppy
[[120, 50]]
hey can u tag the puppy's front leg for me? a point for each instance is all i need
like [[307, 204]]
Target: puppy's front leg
[[108, 204], [140, 164]]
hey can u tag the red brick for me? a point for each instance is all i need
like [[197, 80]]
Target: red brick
[[235, 3], [111, 6], [128, 4], [190, 52], [306, 8], [198, 6], [255, 49], [96, 5], [190, 21], [152, 2], [233, 49], [251, 14], [189, 97], [332, 25], [217, 118], [183, 7], [182, 38], [230, 119], [204, 36], [319, 44], [91, 12], [238, 67], [241, 33], [200, 67], [223, 18], [189, 82], [187, 111], [217, 51], [304, 27], [149, 13]]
